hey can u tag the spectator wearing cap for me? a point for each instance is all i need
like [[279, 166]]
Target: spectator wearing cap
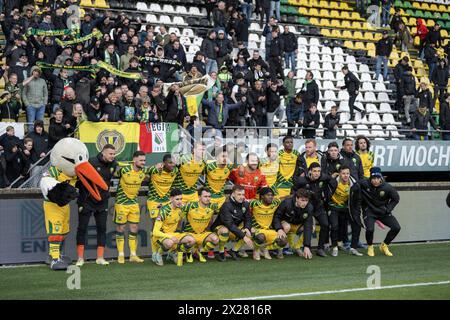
[[419, 123], [444, 116], [440, 79], [22, 68], [58, 129], [210, 49], [383, 50], [89, 22], [15, 89], [94, 112], [35, 96], [225, 48]]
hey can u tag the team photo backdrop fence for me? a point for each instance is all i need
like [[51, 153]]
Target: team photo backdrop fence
[[423, 215]]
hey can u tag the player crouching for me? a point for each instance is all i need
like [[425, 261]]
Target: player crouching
[[165, 233], [198, 217]]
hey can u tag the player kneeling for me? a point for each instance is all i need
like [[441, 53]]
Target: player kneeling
[[198, 217], [262, 216], [295, 214], [165, 233]]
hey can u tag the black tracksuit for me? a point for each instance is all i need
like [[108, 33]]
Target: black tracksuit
[[329, 165], [353, 161], [88, 205], [426, 98], [309, 130], [317, 187], [276, 50], [377, 203], [339, 215], [352, 85], [231, 215], [287, 211], [301, 165]]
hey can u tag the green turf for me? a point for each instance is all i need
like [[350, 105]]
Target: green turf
[[245, 278]]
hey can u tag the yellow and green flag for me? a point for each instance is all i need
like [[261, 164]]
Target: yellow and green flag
[[124, 137]]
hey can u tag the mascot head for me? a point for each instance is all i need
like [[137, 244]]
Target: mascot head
[[71, 157]]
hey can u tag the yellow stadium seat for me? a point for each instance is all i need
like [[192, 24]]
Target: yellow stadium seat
[[303, 11], [368, 36], [324, 13], [416, 41], [325, 32], [344, 6], [358, 35], [371, 53], [377, 36], [314, 21], [412, 21], [421, 73], [356, 25], [416, 5], [323, 4], [336, 33], [334, 14], [425, 6], [347, 34], [334, 5], [348, 44], [442, 8], [359, 45], [345, 15], [413, 30], [86, 3], [444, 33], [336, 23], [430, 23], [101, 4], [434, 7], [314, 3], [346, 24], [314, 12], [324, 22], [370, 46], [394, 55]]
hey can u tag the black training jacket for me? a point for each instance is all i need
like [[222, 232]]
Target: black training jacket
[[317, 188], [379, 201], [231, 215]]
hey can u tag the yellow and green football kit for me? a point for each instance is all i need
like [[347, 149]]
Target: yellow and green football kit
[[215, 178], [284, 183], [159, 188], [198, 219], [187, 177], [166, 225], [262, 217], [367, 159]]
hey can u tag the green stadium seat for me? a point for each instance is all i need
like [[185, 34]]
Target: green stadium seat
[[418, 14], [428, 15], [292, 10], [303, 20], [407, 4], [398, 4], [410, 12], [446, 16]]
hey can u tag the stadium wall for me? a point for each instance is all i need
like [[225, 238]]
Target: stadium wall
[[422, 213]]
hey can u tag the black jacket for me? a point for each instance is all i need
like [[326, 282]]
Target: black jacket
[[383, 47], [301, 165], [106, 170], [259, 106], [309, 130], [420, 122], [407, 85], [273, 98], [114, 112], [219, 19], [289, 42], [353, 161], [431, 55], [209, 48], [276, 47], [231, 215], [352, 83], [58, 88], [434, 37], [440, 76], [40, 143], [225, 47], [56, 132], [330, 122], [329, 165], [318, 189], [378, 202], [444, 116], [289, 212], [310, 93], [92, 114], [399, 70], [425, 98]]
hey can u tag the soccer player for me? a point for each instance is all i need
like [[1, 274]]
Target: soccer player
[[126, 208], [339, 193], [288, 160], [295, 214], [316, 182], [161, 181], [351, 159], [262, 216], [234, 223], [249, 176], [191, 167], [310, 155], [367, 156], [165, 234], [377, 199], [198, 218], [332, 160], [269, 166], [216, 175], [106, 166]]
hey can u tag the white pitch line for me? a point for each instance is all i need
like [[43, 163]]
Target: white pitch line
[[316, 293]]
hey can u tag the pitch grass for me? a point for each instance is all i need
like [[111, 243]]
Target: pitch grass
[[244, 278]]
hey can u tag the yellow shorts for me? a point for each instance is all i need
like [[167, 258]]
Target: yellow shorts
[[200, 237], [124, 213], [271, 235], [219, 200], [178, 235], [190, 198], [154, 206], [232, 236], [57, 219], [283, 193], [294, 227]]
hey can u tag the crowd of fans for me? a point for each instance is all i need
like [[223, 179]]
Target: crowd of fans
[[249, 90]]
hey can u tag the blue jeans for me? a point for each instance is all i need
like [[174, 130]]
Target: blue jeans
[[384, 60], [211, 66], [34, 114], [446, 136], [290, 57], [385, 14], [247, 9], [419, 137], [275, 6], [431, 67]]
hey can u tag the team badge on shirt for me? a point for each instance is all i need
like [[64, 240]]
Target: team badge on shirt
[[382, 193]]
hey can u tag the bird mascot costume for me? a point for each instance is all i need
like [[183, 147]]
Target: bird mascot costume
[[69, 162]]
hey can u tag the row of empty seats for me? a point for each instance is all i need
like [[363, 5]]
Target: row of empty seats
[[169, 9]]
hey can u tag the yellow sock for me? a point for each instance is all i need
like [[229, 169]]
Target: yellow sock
[[154, 247], [238, 245], [53, 249], [208, 246], [291, 240], [132, 243], [223, 239], [183, 248], [299, 243], [120, 242]]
